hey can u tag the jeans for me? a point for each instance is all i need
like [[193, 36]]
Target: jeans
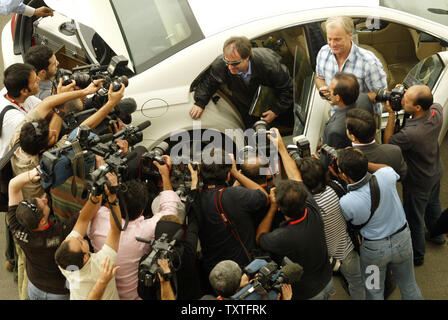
[[325, 293], [397, 252], [35, 293], [421, 208], [351, 270]]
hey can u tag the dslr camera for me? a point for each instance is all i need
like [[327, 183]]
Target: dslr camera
[[301, 148], [394, 97], [269, 280], [332, 154], [155, 154]]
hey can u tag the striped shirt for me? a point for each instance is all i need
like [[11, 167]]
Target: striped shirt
[[338, 240], [360, 62]]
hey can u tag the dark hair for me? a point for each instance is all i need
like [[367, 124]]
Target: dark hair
[[136, 198], [347, 87], [65, 258], [314, 174], [26, 216], [241, 44], [16, 78], [33, 140], [216, 172], [361, 124], [291, 196], [424, 99], [353, 163], [225, 278], [252, 170], [39, 56]]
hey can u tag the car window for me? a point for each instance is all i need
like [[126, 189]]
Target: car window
[[155, 29], [425, 72]]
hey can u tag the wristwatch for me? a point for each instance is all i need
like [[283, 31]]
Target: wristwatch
[[59, 113]]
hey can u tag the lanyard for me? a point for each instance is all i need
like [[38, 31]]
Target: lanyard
[[15, 102]]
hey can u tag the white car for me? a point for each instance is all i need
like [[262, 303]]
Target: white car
[[169, 43]]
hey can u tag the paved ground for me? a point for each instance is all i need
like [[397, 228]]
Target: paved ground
[[432, 277]]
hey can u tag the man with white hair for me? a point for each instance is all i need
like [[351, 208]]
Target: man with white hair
[[341, 54]]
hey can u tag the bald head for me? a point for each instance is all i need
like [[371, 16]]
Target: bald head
[[420, 95]]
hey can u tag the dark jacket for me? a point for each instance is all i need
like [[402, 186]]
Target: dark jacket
[[267, 70]]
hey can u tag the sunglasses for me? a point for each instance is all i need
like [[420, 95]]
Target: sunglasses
[[32, 206], [232, 63]]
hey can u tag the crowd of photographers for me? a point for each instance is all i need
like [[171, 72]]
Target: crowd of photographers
[[91, 215]]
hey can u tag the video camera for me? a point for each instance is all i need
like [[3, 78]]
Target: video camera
[[161, 248], [269, 280], [394, 96], [301, 148], [115, 160], [122, 110], [55, 166]]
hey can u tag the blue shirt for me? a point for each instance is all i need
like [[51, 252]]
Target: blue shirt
[[388, 217], [360, 62], [16, 6], [246, 76]]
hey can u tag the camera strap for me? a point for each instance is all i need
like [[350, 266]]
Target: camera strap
[[226, 221], [77, 166], [125, 208]]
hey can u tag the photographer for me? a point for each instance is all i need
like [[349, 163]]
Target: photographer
[[418, 140], [226, 229], [301, 237], [361, 129], [227, 278], [39, 236], [134, 201], [184, 276], [44, 61], [372, 205], [327, 192], [76, 262]]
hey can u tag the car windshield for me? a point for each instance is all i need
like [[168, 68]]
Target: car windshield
[[434, 10], [155, 29]]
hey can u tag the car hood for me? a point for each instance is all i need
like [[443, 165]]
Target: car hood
[[94, 14]]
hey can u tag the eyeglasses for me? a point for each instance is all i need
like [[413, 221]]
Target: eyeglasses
[[32, 206], [232, 63]]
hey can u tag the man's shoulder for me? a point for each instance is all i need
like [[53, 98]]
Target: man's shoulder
[[365, 54]]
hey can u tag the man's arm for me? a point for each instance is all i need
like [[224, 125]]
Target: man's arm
[[47, 105], [373, 167], [107, 272], [245, 181], [166, 291], [15, 195], [266, 224], [113, 99], [164, 171], [289, 164], [389, 130], [113, 237]]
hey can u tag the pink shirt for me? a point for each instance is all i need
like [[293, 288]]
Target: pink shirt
[[130, 250]]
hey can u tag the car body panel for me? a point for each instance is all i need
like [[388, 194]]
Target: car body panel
[[94, 14], [168, 82]]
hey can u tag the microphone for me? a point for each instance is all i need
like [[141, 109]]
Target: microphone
[[124, 109], [291, 273], [142, 126]]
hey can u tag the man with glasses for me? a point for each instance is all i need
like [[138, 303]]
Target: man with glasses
[[243, 69], [39, 237]]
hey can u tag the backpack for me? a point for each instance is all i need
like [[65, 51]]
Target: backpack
[[354, 230]]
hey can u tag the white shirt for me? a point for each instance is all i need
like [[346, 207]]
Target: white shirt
[[82, 281], [13, 118]]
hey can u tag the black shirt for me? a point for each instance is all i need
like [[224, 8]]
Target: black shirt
[[303, 241], [39, 248], [217, 240]]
